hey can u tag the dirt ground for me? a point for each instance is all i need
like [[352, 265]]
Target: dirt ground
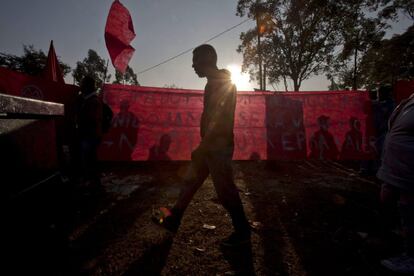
[[309, 218]]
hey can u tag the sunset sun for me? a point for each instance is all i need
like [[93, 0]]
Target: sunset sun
[[241, 80]]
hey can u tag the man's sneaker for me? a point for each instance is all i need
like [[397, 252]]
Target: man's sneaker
[[236, 239], [166, 219], [400, 264]]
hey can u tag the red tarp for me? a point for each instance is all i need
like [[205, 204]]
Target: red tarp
[[163, 124], [119, 32]]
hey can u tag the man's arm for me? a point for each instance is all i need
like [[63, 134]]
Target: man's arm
[[222, 119]]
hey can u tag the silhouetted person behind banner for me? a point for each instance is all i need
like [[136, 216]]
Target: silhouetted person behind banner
[[159, 152], [89, 131], [322, 143], [214, 154], [124, 132], [352, 146], [255, 156]]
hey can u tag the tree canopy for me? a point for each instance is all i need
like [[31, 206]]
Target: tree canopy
[[128, 78], [375, 60], [392, 59], [32, 62], [93, 65], [392, 7], [340, 38], [299, 45]]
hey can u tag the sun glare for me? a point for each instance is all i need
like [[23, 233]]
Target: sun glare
[[241, 80]]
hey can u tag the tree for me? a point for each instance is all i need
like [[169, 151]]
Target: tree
[[173, 86], [391, 60], [383, 63], [32, 62], [358, 33], [366, 58], [300, 44], [392, 7], [93, 65], [128, 78]]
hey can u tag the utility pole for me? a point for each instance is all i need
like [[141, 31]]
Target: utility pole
[[258, 15], [259, 50]]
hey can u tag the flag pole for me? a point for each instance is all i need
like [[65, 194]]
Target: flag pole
[[104, 80]]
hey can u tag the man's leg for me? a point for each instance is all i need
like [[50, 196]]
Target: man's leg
[[227, 192], [194, 178]]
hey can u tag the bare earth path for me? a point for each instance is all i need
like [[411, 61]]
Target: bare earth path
[[309, 218]]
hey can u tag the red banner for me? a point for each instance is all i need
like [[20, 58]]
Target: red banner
[[163, 124]]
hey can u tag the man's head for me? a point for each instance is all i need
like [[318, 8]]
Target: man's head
[[204, 60], [88, 85], [323, 122]]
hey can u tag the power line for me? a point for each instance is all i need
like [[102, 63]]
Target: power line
[[189, 50]]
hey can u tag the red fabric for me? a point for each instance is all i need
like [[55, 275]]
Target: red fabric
[[39, 139], [163, 124], [403, 89], [119, 32], [52, 71], [22, 85]]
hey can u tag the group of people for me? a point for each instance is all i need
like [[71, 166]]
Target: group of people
[[214, 155]]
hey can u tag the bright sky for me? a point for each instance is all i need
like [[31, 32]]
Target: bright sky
[[164, 28]]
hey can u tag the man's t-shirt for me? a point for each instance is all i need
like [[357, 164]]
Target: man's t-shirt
[[398, 157]]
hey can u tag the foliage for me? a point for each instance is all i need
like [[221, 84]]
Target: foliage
[[381, 62], [393, 59], [32, 62], [93, 65], [392, 7], [300, 43], [367, 60], [128, 78], [174, 86], [358, 34]]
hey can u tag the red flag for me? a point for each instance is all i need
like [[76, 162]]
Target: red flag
[[119, 32], [52, 70]]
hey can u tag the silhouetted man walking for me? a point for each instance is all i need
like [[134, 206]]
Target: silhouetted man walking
[[214, 154]]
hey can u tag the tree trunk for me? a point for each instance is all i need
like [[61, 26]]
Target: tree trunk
[[355, 86], [296, 85]]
